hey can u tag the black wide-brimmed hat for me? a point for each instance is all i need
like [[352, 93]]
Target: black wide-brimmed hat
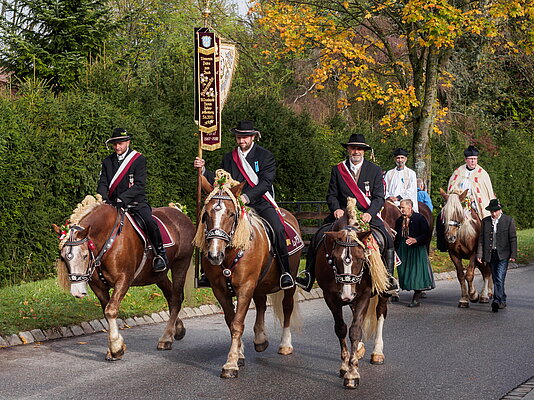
[[494, 205], [471, 151], [399, 151], [357, 140], [119, 135], [245, 128]]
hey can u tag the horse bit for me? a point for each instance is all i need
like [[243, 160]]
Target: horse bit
[[95, 261], [345, 279]]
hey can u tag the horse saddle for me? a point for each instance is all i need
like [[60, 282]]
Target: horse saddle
[[293, 240], [139, 226]]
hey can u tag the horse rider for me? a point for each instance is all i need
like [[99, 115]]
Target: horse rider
[[476, 180], [401, 181], [258, 161], [361, 179], [122, 184]]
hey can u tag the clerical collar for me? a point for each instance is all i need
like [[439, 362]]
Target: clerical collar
[[469, 169], [399, 169], [245, 153]]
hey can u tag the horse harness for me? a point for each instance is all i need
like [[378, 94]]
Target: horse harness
[[345, 279], [95, 262]]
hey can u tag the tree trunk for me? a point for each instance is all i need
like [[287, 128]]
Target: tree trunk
[[424, 122]]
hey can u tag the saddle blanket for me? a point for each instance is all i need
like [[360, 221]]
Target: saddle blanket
[[165, 235], [293, 239]]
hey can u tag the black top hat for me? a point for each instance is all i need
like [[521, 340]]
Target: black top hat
[[119, 135], [471, 151], [357, 140], [400, 152], [494, 205], [245, 128]]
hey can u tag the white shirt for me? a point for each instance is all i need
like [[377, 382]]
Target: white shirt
[[245, 153], [494, 223], [403, 183], [355, 167]]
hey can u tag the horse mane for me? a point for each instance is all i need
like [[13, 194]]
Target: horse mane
[[454, 211], [379, 275], [247, 221], [88, 204]]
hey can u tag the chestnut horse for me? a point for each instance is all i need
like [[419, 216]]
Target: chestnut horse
[[390, 213], [103, 248], [462, 229], [349, 275], [238, 261]]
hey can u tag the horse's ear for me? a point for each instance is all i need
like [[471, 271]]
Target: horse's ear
[[206, 186], [363, 236], [463, 195], [236, 190], [56, 229], [443, 194]]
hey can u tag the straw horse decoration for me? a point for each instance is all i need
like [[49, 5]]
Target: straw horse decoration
[[102, 248], [238, 261], [462, 229], [350, 272]]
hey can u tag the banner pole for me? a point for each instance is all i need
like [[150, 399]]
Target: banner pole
[[199, 200]]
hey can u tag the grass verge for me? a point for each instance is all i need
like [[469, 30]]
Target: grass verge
[[43, 305]]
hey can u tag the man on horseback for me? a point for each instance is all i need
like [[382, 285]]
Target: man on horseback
[[474, 178], [361, 179], [122, 184], [401, 181], [260, 197]]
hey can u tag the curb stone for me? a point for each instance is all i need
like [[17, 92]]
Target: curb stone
[[99, 325]]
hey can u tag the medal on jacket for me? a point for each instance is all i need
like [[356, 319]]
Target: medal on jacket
[[131, 182], [367, 189]]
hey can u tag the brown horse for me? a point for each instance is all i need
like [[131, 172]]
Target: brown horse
[[390, 213], [348, 274], [238, 261], [102, 248], [462, 229]]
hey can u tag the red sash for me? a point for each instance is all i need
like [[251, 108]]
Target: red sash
[[122, 174], [287, 228], [351, 183]]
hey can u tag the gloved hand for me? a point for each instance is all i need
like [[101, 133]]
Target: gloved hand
[[119, 203]]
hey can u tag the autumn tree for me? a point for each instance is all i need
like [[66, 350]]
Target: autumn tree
[[395, 53]]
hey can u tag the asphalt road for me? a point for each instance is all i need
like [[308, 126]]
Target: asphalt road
[[436, 351]]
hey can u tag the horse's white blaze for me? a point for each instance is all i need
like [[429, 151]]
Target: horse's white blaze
[[379, 342], [115, 339], [78, 289], [286, 338], [347, 293], [216, 246]]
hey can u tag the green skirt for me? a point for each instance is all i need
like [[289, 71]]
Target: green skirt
[[414, 272]]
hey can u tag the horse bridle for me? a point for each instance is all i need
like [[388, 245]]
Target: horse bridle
[[217, 233], [345, 279], [95, 261]]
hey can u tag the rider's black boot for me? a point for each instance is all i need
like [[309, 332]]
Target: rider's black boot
[[159, 264], [286, 280], [203, 280], [307, 277]]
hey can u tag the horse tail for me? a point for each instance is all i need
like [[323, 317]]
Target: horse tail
[[370, 321], [276, 299], [63, 280]]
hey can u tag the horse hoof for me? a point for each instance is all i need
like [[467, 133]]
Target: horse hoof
[[259, 347], [117, 356], [179, 335], [360, 352], [342, 373], [285, 350], [463, 304], [241, 362], [351, 383], [377, 359], [484, 300], [475, 300], [165, 346], [229, 373]]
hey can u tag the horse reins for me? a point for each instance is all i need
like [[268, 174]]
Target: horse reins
[[345, 279], [95, 260]]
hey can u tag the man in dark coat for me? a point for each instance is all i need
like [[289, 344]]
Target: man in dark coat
[[497, 244], [122, 183], [261, 161], [361, 179]]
